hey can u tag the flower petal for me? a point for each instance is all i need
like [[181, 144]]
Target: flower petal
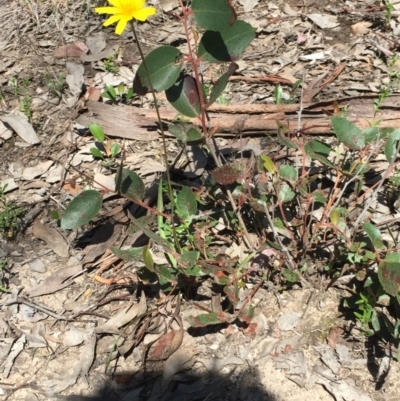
[[115, 3], [121, 25], [139, 3], [107, 10], [144, 13], [112, 20]]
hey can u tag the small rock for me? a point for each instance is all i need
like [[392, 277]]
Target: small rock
[[289, 320], [37, 266]]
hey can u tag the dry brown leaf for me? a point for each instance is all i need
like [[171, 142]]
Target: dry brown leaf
[[57, 281], [124, 316], [167, 344], [93, 94], [360, 28], [76, 49], [52, 238]]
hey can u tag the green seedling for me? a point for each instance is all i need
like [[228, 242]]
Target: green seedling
[[106, 149], [9, 215], [280, 96], [110, 64], [118, 95], [25, 106], [56, 83]]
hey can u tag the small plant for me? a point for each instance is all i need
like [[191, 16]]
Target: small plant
[[389, 8], [25, 106], [56, 83], [3, 264], [295, 217], [9, 215], [110, 64], [119, 95], [280, 96], [106, 149], [384, 93]]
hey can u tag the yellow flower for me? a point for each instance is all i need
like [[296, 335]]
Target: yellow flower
[[124, 11]]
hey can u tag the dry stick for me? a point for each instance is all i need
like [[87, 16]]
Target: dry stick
[[284, 248], [341, 193], [247, 239]]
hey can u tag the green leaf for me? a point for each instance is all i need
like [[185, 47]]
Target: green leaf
[[82, 209], [131, 184], [130, 94], [164, 66], [375, 235], [143, 221], [148, 258], [278, 94], [291, 277], [146, 275], [269, 165], [207, 319], [111, 92], [96, 153], [391, 145], [227, 45], [133, 254], [319, 196], [186, 203], [288, 172], [153, 236], [215, 15], [389, 274], [286, 194], [220, 85], [348, 133], [115, 149], [188, 259], [184, 96], [319, 151], [97, 132], [282, 139], [121, 89], [179, 132]]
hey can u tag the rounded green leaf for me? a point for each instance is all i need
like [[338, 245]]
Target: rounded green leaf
[[133, 254], [288, 172], [184, 96], [82, 209], [97, 132], [319, 151], [348, 133], [286, 194], [375, 235], [96, 153], [268, 164], [391, 145], [131, 184], [215, 15], [186, 203], [220, 85], [164, 65], [183, 134], [389, 274], [227, 45]]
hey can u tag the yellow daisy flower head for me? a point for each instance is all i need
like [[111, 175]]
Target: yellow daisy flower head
[[125, 10]]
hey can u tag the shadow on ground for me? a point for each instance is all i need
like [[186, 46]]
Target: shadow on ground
[[213, 386]]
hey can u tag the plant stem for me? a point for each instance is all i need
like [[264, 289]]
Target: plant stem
[[164, 142], [194, 62]]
